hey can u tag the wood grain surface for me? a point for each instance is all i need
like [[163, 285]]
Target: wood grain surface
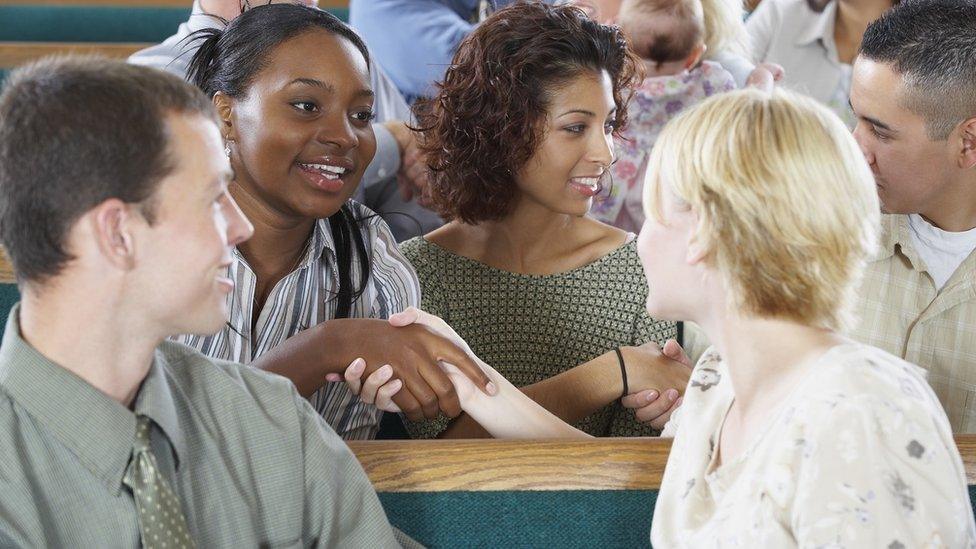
[[6, 269], [487, 465], [13, 54], [477, 465]]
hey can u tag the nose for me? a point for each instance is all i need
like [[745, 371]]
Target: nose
[[337, 131], [863, 142], [239, 227], [600, 149]]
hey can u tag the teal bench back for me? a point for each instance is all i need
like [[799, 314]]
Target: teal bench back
[[9, 296], [54, 23], [565, 519]]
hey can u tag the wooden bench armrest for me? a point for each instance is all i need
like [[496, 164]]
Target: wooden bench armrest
[[488, 465]]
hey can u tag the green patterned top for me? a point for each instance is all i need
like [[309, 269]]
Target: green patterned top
[[533, 327]]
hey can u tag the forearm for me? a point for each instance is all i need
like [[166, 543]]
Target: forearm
[[570, 396], [307, 357], [512, 414]]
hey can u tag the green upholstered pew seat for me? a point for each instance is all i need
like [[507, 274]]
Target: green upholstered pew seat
[[8, 297], [95, 23], [595, 493]]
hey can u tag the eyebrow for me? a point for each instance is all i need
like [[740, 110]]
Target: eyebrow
[[366, 92], [584, 112], [873, 121]]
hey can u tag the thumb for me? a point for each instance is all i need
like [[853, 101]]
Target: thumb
[[406, 317], [674, 351]]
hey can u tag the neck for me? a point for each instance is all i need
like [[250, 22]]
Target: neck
[[116, 351], [221, 8], [956, 211], [278, 239], [527, 235], [854, 16], [765, 357]]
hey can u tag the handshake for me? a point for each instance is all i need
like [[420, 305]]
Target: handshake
[[453, 379]]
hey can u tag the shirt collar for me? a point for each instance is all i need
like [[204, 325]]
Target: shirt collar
[[895, 237], [821, 26], [96, 428], [155, 401]]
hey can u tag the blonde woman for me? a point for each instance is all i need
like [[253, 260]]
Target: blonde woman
[[760, 213]]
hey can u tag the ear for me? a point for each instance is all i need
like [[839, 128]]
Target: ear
[[225, 111], [967, 156], [697, 252], [695, 56], [113, 223]]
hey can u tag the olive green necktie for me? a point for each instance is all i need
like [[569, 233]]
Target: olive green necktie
[[161, 521]]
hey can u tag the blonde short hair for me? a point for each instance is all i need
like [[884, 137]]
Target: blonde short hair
[[788, 210]]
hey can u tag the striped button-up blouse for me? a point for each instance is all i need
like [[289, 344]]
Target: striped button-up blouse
[[304, 298]]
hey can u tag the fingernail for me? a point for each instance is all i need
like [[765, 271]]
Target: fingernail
[[651, 396], [491, 388], [358, 364], [396, 383], [672, 394], [386, 370]]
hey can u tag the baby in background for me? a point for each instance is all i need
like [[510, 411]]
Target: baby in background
[[669, 36]]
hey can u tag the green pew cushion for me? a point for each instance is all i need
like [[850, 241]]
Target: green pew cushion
[[55, 23], [570, 518], [9, 296]]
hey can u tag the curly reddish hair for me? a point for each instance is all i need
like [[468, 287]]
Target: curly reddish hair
[[486, 120]]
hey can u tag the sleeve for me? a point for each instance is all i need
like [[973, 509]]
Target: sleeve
[[433, 303], [341, 507], [737, 66], [389, 103], [386, 161], [413, 41], [875, 474], [760, 26], [395, 281]]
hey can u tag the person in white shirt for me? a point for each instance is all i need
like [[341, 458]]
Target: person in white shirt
[[815, 41]]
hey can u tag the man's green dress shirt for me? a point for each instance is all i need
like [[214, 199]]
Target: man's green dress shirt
[[251, 462]]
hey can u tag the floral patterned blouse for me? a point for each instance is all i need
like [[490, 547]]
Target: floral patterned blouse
[[859, 455], [656, 101]]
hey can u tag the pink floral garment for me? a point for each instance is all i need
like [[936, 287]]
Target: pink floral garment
[[656, 101]]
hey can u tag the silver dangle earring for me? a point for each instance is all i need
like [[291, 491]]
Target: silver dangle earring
[[227, 148]]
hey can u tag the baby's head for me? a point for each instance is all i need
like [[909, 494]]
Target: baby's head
[[667, 34]]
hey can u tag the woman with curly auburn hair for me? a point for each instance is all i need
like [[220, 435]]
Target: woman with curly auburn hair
[[519, 141]]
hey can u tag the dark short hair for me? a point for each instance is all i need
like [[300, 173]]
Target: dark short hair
[[484, 123], [74, 132], [932, 44]]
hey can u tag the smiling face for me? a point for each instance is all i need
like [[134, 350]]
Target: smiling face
[[564, 173], [187, 248], [302, 134], [914, 174]]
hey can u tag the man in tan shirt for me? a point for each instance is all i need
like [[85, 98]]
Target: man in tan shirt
[[914, 96]]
